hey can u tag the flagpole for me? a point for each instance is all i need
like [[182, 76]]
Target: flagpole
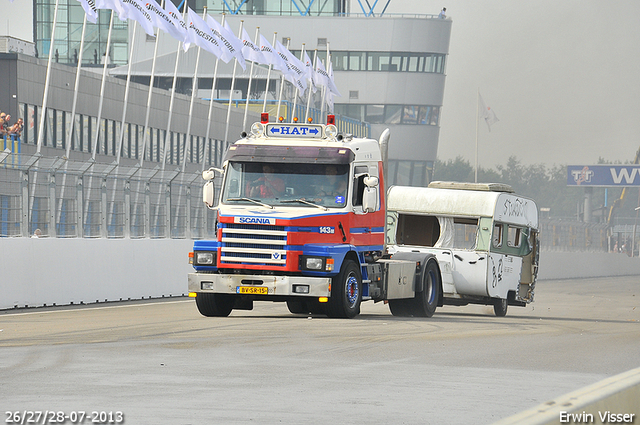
[[246, 106], [173, 94], [104, 76], [295, 97], [126, 91], [477, 115], [194, 87], [45, 97], [315, 58], [213, 89], [149, 94], [76, 88], [266, 89], [233, 81], [281, 83]]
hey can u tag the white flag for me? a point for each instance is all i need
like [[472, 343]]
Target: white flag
[[115, 5], [90, 10], [137, 11], [322, 79], [271, 56], [200, 34], [250, 51], [164, 21], [231, 46], [329, 94], [308, 69], [296, 74], [178, 22], [487, 113]]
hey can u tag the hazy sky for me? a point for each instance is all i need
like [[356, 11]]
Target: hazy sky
[[563, 78]]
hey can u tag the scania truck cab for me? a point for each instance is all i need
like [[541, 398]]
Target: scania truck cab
[[300, 211]]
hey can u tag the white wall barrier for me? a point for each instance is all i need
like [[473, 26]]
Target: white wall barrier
[[572, 265], [47, 271]]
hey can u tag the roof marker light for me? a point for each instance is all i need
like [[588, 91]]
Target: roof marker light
[[310, 120], [295, 119], [264, 117], [331, 119], [281, 119]]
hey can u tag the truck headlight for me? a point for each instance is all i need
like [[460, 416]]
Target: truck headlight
[[316, 263], [204, 258]]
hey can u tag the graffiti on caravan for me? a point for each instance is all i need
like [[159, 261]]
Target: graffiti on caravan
[[515, 208], [603, 175]]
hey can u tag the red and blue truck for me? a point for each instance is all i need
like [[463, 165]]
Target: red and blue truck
[[302, 219]]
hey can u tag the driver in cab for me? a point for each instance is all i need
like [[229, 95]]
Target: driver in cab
[[266, 186]]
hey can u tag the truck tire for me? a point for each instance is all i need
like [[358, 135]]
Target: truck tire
[[346, 292], [400, 308], [500, 306], [215, 305], [426, 301], [298, 307]]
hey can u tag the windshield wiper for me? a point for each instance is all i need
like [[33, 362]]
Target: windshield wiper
[[302, 201], [251, 200]]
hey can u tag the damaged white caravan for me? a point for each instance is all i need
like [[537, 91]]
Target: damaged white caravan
[[483, 236]]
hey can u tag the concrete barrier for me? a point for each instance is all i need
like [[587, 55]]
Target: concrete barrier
[[37, 272], [47, 271], [612, 400], [571, 265]]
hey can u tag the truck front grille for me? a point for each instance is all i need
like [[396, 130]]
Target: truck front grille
[[253, 244]]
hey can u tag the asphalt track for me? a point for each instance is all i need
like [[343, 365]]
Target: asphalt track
[[160, 362]]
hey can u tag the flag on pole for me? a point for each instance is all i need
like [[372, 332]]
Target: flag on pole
[[90, 10], [308, 70], [231, 46], [162, 20], [296, 74], [487, 113], [115, 5], [200, 35], [250, 51], [137, 11], [329, 92], [176, 18], [322, 79], [271, 56]]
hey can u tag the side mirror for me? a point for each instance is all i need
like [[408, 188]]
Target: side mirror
[[209, 193], [370, 195], [210, 174], [371, 181]]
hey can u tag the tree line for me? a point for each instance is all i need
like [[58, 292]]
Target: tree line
[[547, 185]]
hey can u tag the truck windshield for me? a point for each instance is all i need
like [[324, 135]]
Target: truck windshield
[[274, 184]]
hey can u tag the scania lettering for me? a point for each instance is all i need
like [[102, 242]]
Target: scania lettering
[[303, 218]]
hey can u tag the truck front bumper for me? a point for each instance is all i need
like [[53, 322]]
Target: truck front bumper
[[275, 285]]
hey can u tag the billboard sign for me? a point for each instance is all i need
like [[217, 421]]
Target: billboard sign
[[603, 175]]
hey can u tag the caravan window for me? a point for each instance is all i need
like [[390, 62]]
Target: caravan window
[[465, 232], [497, 235], [513, 236]]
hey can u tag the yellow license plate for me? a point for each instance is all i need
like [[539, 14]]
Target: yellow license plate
[[254, 290]]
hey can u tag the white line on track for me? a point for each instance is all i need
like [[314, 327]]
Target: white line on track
[[90, 307]]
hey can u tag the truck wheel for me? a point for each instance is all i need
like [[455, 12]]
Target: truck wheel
[[400, 308], [214, 305], [297, 307], [500, 306], [346, 292], [426, 301]]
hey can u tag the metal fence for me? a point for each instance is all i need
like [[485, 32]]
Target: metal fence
[[63, 198]]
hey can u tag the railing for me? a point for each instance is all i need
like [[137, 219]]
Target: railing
[[571, 235], [61, 198]]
